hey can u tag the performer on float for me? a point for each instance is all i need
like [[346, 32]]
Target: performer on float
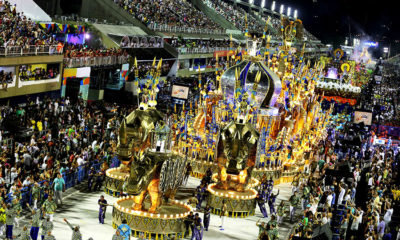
[[261, 201], [270, 186], [207, 217], [198, 228], [271, 202]]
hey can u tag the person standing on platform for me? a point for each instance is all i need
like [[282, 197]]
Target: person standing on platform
[[223, 214], [48, 208], [125, 230], [198, 228], [35, 222], [76, 234], [294, 201], [102, 210], [200, 195], [207, 217], [10, 215], [47, 226]]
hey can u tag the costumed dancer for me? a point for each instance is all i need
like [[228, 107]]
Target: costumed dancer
[[261, 201], [35, 194], [271, 202], [47, 226], [207, 217], [76, 234], [281, 210], [36, 214], [294, 201], [223, 214], [2, 218], [24, 235], [198, 228], [10, 215], [49, 236], [49, 207], [17, 210]]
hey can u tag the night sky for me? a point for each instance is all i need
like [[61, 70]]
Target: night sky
[[333, 20]]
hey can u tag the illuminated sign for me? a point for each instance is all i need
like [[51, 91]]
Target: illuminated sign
[[371, 44]]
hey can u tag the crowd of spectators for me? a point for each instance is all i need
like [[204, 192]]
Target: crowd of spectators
[[6, 78], [179, 13], [92, 56], [26, 73], [236, 16], [67, 138], [145, 68], [356, 203], [18, 30]]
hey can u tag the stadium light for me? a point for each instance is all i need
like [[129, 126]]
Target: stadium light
[[263, 3], [273, 6], [295, 14], [289, 11], [346, 42], [251, 1], [281, 9], [385, 49]]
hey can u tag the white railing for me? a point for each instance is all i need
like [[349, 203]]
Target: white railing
[[184, 50], [176, 29], [95, 61], [14, 51]]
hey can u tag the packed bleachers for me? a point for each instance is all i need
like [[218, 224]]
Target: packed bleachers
[[172, 13], [19, 35]]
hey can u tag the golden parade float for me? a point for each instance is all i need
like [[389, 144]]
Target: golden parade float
[[276, 90], [262, 122]]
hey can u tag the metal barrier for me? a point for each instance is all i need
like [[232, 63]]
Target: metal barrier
[[95, 61], [71, 179], [12, 51]]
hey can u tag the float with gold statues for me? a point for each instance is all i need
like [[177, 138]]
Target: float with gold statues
[[262, 122]]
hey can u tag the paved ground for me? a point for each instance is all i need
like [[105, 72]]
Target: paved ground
[[80, 208]]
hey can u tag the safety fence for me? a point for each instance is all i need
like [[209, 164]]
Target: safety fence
[[184, 50], [13, 51], [176, 29], [71, 179], [95, 61]]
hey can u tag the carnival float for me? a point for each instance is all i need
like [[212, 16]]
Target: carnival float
[[262, 122]]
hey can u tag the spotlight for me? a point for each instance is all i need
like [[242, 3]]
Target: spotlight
[[281, 9], [289, 11], [295, 13], [87, 36], [273, 6], [263, 3]]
